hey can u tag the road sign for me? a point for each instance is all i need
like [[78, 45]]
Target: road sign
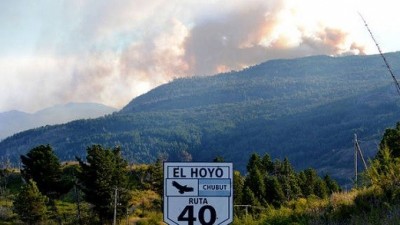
[[198, 193]]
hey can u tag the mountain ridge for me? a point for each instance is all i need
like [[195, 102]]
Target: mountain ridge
[[254, 71], [306, 109], [15, 121]]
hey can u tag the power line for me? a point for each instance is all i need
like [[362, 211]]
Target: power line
[[383, 56]]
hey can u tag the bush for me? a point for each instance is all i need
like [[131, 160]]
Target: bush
[[145, 201], [248, 220], [369, 199], [151, 219], [30, 204], [341, 206], [6, 214]]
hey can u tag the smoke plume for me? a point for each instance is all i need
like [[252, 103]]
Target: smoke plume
[[110, 53]]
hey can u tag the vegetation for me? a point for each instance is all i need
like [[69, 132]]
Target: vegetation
[[375, 203], [271, 192], [269, 183], [241, 121], [104, 179], [305, 109], [104, 182], [30, 204], [43, 166]]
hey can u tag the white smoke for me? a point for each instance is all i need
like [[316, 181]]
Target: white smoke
[[102, 52]]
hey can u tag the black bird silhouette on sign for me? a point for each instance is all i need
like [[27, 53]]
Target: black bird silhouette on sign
[[182, 188]]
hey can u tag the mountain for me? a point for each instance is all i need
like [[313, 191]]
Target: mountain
[[306, 109], [12, 122]]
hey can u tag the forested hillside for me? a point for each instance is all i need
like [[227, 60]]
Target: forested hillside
[[307, 109], [104, 188]]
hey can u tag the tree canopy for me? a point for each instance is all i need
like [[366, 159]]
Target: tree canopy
[[270, 182], [391, 141], [30, 204], [305, 109], [43, 166], [104, 177]]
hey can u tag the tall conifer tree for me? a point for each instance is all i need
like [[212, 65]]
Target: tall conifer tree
[[104, 172], [42, 165]]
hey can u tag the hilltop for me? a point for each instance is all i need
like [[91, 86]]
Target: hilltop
[[306, 109]]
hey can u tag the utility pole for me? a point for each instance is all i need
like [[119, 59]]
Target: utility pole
[[355, 161], [127, 215], [357, 151], [115, 206], [78, 204]]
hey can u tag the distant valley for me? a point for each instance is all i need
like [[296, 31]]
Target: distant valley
[[12, 122], [306, 109]]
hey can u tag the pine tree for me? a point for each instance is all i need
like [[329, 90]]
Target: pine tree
[[288, 179], [43, 166], [249, 198], [275, 194], [267, 163], [332, 185], [30, 204], [254, 163], [307, 180], [320, 188], [255, 178], [391, 141], [311, 184], [238, 187], [384, 171], [255, 182], [156, 177], [104, 172]]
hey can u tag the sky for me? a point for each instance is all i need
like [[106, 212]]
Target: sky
[[59, 51]]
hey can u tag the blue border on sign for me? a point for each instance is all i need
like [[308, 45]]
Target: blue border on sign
[[229, 165]]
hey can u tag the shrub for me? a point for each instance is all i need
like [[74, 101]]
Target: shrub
[[151, 219], [30, 204]]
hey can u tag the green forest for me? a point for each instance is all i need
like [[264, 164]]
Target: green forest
[[305, 109], [102, 188]]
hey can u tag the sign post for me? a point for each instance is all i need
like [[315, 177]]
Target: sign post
[[198, 193]]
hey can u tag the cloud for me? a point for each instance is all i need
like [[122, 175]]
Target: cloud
[[110, 53]]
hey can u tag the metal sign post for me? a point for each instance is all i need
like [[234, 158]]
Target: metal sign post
[[198, 193]]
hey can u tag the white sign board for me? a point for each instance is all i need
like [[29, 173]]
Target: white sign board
[[198, 193]]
